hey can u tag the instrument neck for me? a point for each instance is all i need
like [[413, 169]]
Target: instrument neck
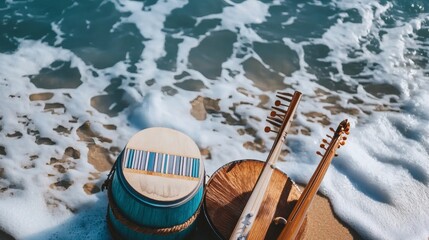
[[297, 216], [253, 205]]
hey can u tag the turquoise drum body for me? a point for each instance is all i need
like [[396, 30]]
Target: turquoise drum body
[[156, 192]]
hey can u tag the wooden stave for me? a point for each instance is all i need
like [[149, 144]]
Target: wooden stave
[[289, 190]]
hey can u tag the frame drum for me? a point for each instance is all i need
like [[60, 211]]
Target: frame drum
[[157, 187]]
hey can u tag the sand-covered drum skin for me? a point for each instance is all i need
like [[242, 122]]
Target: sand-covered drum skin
[[158, 185]]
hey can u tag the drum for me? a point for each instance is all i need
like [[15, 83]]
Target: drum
[[230, 187], [157, 186]]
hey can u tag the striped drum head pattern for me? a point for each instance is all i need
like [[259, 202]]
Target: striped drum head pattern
[[162, 165]]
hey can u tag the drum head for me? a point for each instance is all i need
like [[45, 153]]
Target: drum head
[[162, 165]]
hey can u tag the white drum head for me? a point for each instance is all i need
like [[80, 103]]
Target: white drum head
[[162, 164]]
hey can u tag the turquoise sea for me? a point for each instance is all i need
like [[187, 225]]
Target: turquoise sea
[[79, 78]]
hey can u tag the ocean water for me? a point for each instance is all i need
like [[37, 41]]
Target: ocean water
[[79, 78]]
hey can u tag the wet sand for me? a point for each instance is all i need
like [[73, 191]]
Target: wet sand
[[324, 224]]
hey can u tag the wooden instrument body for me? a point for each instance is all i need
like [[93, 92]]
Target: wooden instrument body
[[280, 119], [299, 212], [150, 191], [229, 189]]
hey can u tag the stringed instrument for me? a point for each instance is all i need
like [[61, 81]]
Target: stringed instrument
[[298, 214], [243, 197]]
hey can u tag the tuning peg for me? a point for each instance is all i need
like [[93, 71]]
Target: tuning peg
[[344, 138], [285, 94], [328, 136], [335, 155], [279, 110], [268, 129], [347, 131], [283, 98], [333, 130], [274, 122], [279, 103], [319, 153], [325, 141], [343, 143], [323, 146]]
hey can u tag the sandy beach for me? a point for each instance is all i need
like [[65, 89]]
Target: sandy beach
[[322, 223]]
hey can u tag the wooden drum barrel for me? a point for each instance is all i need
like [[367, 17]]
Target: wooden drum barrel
[[230, 187], [157, 186]]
